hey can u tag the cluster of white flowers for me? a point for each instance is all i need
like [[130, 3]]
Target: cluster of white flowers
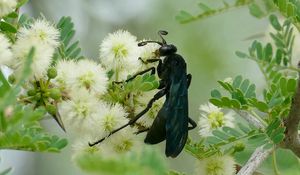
[[7, 6], [211, 118], [84, 83]]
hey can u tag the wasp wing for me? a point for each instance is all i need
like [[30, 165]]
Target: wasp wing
[[177, 122], [157, 131]]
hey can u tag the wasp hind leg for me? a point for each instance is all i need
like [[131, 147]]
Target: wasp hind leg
[[193, 123]]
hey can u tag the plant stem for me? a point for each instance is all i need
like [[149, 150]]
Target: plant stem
[[258, 156], [292, 140]]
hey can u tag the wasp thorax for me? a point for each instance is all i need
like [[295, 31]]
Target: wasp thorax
[[167, 50]]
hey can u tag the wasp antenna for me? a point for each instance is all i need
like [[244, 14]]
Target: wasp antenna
[[146, 42], [161, 33]]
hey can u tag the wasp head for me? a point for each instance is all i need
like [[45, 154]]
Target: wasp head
[[165, 49]]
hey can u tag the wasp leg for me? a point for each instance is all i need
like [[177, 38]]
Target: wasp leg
[[193, 123], [157, 96], [142, 130], [149, 60], [189, 79], [152, 69]]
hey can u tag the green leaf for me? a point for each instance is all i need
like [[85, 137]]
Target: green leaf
[[21, 3], [268, 52], [216, 102], [278, 56], [244, 86], [13, 15], [278, 138], [7, 27], [237, 81], [231, 131], [256, 11], [251, 91], [243, 128], [146, 86], [291, 85], [241, 54], [259, 50], [204, 7], [183, 16], [220, 134], [274, 22], [213, 140], [215, 93], [4, 85], [226, 86]]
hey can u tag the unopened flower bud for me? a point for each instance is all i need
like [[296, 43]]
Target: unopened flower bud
[[31, 92], [51, 73], [55, 94]]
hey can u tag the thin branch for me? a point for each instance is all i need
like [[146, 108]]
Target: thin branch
[[258, 156], [292, 140]]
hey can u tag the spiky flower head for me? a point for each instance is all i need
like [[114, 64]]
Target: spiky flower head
[[216, 165], [110, 118], [5, 52], [7, 6], [89, 75], [123, 141], [65, 73], [119, 52], [211, 118], [41, 36], [42, 31], [79, 111]]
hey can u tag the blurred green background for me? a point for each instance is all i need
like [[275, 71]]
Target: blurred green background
[[207, 45]]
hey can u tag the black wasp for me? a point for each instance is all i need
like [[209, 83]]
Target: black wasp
[[172, 121]]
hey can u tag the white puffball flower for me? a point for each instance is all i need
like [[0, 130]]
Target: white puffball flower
[[89, 75], [41, 59], [7, 6], [5, 52], [43, 31], [65, 70], [142, 102], [123, 141], [211, 118], [119, 52], [216, 165], [81, 146], [110, 118], [79, 111], [44, 38]]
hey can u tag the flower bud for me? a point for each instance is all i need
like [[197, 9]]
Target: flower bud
[[51, 73], [55, 94], [31, 92]]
